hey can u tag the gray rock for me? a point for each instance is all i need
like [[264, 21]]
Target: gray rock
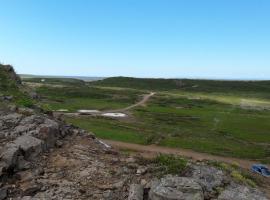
[[15, 153], [31, 146], [3, 193], [10, 155], [136, 192], [209, 178], [240, 192], [176, 188]]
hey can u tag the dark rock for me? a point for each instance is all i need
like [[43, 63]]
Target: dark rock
[[48, 133], [3, 193], [30, 189], [59, 144]]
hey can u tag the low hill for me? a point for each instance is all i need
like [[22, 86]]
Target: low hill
[[56, 81], [219, 86]]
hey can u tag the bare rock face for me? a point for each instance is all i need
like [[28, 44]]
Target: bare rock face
[[210, 178], [240, 192], [176, 188], [136, 192], [30, 146]]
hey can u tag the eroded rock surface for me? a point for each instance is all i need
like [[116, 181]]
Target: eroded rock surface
[[176, 188], [240, 192]]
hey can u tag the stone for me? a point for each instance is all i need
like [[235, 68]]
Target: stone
[[141, 170], [26, 111], [10, 155], [136, 192], [176, 188], [3, 193], [59, 144], [240, 192], [209, 178], [30, 188], [31, 146], [48, 134]]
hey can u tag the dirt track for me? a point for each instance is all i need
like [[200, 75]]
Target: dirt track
[[140, 103], [152, 150]]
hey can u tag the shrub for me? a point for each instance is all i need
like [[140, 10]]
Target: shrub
[[171, 164], [238, 177]]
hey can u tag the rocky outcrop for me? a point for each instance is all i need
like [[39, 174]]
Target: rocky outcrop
[[44, 158], [176, 188], [240, 192], [9, 70], [210, 179]]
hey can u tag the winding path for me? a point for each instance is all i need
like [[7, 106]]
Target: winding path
[[153, 150], [140, 103]]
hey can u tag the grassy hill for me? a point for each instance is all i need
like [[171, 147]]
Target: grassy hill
[[10, 85], [261, 88], [56, 81]]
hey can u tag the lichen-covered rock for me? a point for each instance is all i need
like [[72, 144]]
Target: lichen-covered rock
[[240, 192], [176, 188], [210, 178], [136, 192]]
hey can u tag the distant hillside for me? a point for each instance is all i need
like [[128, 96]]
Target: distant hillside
[[83, 78], [187, 85], [11, 88], [56, 81]]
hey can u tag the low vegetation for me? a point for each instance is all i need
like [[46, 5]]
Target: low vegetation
[[171, 164], [9, 87], [237, 174], [205, 116]]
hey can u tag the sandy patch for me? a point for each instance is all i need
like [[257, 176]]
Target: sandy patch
[[114, 115]]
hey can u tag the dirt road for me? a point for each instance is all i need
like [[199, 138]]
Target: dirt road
[[140, 103], [152, 150]]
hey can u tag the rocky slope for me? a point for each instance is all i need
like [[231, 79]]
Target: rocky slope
[[44, 158]]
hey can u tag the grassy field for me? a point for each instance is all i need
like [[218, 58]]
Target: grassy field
[[74, 95], [218, 120]]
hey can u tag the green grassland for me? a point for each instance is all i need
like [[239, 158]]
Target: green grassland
[[229, 118], [81, 96]]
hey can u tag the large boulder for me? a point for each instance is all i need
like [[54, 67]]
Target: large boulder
[[9, 157], [17, 152], [176, 188], [210, 178], [240, 192], [49, 131], [30, 146]]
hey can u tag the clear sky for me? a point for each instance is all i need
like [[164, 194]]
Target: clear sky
[[142, 38]]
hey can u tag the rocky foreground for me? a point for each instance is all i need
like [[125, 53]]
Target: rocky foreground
[[43, 158]]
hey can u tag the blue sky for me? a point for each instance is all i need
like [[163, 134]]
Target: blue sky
[[227, 39]]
